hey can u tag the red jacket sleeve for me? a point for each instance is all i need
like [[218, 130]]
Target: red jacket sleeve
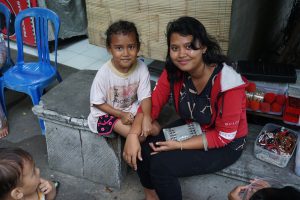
[[160, 95], [227, 124]]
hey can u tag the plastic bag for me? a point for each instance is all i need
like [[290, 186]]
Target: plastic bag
[[3, 51]]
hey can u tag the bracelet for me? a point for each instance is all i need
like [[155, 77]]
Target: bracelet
[[180, 145]]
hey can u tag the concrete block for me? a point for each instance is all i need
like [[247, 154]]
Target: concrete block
[[101, 162], [64, 149], [72, 147]]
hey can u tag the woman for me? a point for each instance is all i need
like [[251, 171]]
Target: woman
[[205, 90]]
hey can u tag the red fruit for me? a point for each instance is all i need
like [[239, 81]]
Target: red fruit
[[251, 87], [254, 105], [280, 99], [276, 107], [265, 107], [269, 97]]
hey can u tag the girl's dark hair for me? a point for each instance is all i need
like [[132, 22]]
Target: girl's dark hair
[[122, 27], [11, 168], [186, 26]]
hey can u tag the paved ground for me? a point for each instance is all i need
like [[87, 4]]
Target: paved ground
[[25, 133]]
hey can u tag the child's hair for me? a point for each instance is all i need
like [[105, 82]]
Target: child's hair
[[287, 192], [122, 27], [11, 168]]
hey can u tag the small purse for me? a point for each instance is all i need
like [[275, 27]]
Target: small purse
[[182, 132]]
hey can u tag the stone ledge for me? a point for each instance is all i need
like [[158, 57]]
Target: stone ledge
[[72, 148]]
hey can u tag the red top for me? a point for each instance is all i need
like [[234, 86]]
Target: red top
[[228, 104]]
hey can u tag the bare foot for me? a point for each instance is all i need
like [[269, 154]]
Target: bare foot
[[4, 130], [150, 194]]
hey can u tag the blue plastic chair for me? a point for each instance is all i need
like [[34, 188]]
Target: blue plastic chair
[[6, 12], [33, 77]]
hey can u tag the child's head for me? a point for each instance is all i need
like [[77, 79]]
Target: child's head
[[122, 41], [18, 175], [122, 28], [271, 193]]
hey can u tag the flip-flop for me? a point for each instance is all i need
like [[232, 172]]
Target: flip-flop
[[56, 184]]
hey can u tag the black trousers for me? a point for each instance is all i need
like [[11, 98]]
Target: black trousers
[[161, 171]]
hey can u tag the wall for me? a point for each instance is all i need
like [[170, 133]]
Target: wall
[[151, 18], [256, 28]]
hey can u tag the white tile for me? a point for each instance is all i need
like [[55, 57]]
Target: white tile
[[63, 55], [79, 62], [96, 65], [97, 52], [27, 49], [79, 47], [13, 45]]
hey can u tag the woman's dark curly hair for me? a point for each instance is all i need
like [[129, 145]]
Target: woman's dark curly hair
[[186, 26], [122, 27]]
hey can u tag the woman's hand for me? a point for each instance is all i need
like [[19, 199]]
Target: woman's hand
[[146, 126], [126, 118], [165, 146], [132, 150]]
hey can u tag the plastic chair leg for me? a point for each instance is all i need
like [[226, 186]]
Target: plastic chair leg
[[35, 95], [58, 77], [42, 125]]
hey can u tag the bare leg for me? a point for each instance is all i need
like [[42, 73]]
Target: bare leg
[[123, 130], [150, 194], [4, 129]]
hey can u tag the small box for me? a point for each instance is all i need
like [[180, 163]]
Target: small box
[[291, 114], [255, 100], [270, 153]]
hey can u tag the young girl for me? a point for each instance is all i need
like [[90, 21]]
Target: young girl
[[121, 84], [20, 179]]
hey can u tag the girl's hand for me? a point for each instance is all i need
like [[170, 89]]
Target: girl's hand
[[165, 146], [146, 126], [126, 118], [235, 194], [259, 183], [46, 186], [132, 150]]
